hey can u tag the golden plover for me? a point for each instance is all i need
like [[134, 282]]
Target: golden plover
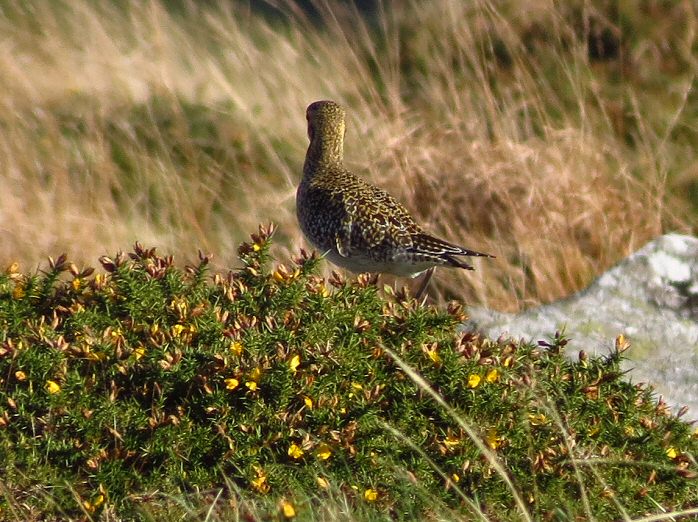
[[358, 226]]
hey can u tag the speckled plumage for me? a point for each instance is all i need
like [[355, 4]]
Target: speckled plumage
[[359, 226]]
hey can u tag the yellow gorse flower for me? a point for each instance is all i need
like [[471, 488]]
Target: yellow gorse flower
[[20, 375], [451, 441], [671, 452], [236, 348], [622, 343], [323, 451], [492, 375], [295, 363], [537, 419], [295, 451], [474, 380], [308, 402], [251, 385], [281, 274], [493, 440], [434, 356], [231, 383], [18, 292], [180, 306], [287, 509], [260, 483], [92, 506], [52, 387], [370, 495], [177, 330]]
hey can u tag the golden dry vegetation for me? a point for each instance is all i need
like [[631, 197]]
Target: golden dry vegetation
[[558, 137]]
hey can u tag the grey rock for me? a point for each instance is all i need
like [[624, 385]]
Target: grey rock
[[651, 297]]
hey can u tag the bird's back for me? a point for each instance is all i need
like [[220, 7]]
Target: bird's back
[[334, 199]]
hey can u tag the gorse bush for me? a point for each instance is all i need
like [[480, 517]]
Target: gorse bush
[[125, 388]]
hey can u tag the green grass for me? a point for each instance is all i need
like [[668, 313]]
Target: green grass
[[147, 390]]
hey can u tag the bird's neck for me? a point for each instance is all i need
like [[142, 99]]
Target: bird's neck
[[323, 151]]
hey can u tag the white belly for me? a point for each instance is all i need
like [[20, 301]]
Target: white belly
[[359, 264]]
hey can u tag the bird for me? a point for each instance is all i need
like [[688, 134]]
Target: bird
[[356, 225]]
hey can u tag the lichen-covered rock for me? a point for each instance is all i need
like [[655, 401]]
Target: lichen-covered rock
[[651, 297]]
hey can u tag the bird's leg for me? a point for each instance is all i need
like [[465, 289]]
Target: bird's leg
[[424, 283]]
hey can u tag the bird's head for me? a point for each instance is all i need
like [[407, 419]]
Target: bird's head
[[325, 121]]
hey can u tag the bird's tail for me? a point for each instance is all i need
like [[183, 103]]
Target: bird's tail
[[429, 244], [457, 263]]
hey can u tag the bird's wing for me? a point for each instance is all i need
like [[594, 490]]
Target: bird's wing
[[343, 238], [377, 218]]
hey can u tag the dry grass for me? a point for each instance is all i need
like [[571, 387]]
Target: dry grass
[[498, 125]]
